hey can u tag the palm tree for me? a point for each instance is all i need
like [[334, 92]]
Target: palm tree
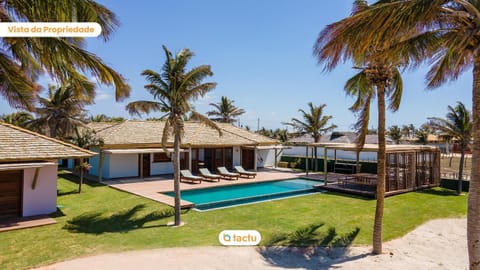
[[61, 112], [395, 133], [175, 88], [64, 59], [413, 130], [224, 111], [446, 30], [99, 118], [21, 119], [105, 118], [85, 139], [405, 131], [314, 123], [422, 135], [378, 77], [458, 125], [281, 135]]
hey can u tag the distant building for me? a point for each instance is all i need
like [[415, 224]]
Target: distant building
[[337, 137], [134, 149]]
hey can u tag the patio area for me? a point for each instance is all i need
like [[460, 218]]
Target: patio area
[[153, 187], [27, 222]]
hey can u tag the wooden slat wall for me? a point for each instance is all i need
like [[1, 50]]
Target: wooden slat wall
[[11, 193]]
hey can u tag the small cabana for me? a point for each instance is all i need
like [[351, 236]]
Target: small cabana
[[408, 167]]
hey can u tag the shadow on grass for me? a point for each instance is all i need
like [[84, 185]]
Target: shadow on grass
[[76, 179], [70, 192], [309, 248], [439, 192], [338, 194], [124, 221], [57, 214]]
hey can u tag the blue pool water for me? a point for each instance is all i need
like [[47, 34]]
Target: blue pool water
[[218, 197]]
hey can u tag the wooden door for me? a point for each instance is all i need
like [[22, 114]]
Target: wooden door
[[11, 186], [248, 159], [144, 165], [195, 160], [228, 153], [218, 159], [184, 159]]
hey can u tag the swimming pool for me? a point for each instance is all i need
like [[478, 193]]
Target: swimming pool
[[225, 196]]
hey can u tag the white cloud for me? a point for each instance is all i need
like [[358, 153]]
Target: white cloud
[[102, 95]]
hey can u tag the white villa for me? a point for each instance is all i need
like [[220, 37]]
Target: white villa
[[134, 149], [28, 171]]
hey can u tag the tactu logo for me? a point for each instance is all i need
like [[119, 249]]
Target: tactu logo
[[239, 238]]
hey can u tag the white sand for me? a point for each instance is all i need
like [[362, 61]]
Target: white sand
[[438, 244]]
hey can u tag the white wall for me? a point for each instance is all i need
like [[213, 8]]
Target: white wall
[[42, 199], [348, 155], [121, 165], [265, 158], [237, 156], [160, 167]]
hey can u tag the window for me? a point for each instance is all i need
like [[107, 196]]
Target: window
[[161, 157]]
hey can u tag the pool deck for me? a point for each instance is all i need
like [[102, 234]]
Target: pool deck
[[153, 187]]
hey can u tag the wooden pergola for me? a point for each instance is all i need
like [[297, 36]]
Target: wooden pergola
[[408, 167]]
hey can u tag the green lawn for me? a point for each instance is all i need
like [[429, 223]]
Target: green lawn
[[102, 220]]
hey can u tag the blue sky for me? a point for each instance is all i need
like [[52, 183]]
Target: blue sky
[[261, 55]]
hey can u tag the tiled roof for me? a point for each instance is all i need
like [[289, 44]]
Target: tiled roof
[[18, 144], [196, 134]]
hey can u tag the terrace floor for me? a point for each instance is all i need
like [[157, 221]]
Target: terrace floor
[[27, 222], [153, 187]]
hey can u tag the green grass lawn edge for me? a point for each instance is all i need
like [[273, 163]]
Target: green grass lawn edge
[[102, 220]]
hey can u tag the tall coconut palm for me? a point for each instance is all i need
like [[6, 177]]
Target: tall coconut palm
[[379, 77], [380, 81], [64, 59], [224, 111], [313, 123], [457, 125], [445, 33], [175, 88], [61, 112], [21, 119]]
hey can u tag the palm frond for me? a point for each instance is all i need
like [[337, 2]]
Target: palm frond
[[206, 121], [143, 106]]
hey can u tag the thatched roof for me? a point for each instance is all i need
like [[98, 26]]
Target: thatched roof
[[18, 144], [99, 126], [149, 133]]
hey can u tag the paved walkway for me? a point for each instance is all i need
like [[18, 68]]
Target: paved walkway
[[153, 188]]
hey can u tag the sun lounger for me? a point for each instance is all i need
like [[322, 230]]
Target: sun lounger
[[187, 175], [207, 175], [226, 174], [244, 173]]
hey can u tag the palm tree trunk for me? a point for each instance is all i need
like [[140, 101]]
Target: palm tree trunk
[[473, 216], [176, 173], [377, 225], [81, 176], [460, 170], [52, 129]]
